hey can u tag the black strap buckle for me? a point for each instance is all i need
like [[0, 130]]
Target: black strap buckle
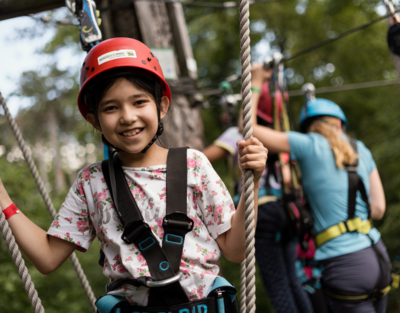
[[134, 230], [141, 281], [178, 220]]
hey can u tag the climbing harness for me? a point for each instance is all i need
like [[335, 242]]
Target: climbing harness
[[355, 224], [166, 293]]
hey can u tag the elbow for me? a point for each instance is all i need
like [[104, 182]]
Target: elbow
[[236, 258], [378, 212], [46, 269]]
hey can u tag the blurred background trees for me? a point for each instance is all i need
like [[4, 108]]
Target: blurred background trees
[[62, 142]]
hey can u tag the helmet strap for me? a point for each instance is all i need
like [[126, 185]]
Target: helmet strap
[[108, 144], [160, 128]]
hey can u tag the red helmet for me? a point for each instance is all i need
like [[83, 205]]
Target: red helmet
[[118, 53], [265, 104]]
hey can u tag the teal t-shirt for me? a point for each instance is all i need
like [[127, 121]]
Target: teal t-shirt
[[326, 188]]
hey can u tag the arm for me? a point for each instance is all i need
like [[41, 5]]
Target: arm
[[377, 196], [275, 141], [45, 252], [215, 153], [252, 155]]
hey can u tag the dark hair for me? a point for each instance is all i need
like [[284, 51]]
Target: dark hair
[[97, 89]]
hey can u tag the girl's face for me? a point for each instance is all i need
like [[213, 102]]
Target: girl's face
[[128, 116]]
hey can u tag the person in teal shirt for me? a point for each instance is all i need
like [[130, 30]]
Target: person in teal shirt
[[354, 263]]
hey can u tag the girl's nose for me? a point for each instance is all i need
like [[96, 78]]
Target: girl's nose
[[128, 114]]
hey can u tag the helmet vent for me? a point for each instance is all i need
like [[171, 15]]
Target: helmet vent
[[143, 61], [149, 59], [92, 69]]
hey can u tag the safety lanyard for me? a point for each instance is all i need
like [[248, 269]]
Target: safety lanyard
[[163, 262]]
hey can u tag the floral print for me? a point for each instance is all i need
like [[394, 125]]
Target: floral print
[[88, 212]]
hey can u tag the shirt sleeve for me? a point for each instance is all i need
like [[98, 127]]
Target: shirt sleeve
[[367, 155], [300, 145], [212, 196], [73, 223], [228, 140]]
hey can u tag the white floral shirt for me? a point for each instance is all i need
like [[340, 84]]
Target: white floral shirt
[[88, 212]]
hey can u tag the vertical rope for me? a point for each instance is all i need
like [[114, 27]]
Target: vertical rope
[[43, 192], [20, 265], [248, 302]]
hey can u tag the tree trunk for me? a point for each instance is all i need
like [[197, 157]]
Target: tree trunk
[[150, 22]]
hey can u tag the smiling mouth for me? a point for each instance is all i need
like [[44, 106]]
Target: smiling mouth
[[132, 132]]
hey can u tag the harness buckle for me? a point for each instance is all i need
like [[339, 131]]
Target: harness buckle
[[178, 220], [160, 283], [134, 230]]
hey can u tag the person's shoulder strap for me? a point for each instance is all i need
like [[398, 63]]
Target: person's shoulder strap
[[355, 183], [177, 180]]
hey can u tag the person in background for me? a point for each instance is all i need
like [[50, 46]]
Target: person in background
[[355, 263], [275, 244]]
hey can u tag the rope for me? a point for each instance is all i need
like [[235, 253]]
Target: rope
[[46, 198], [20, 265], [342, 35], [248, 289]]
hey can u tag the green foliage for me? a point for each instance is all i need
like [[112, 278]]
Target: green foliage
[[288, 26]]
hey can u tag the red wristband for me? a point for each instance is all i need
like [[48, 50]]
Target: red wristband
[[10, 211]]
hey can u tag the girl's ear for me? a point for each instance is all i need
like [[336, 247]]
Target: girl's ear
[[164, 105], [92, 120]]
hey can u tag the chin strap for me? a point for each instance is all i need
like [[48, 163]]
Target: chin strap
[[160, 130]]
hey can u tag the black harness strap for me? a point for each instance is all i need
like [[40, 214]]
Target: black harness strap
[[355, 184], [176, 223], [137, 232]]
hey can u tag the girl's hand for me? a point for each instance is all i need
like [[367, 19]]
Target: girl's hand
[[252, 155], [259, 75]]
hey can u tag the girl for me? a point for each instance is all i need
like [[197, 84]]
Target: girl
[[124, 95], [323, 152]]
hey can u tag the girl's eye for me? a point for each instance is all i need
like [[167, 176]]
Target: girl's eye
[[109, 108], [139, 102]]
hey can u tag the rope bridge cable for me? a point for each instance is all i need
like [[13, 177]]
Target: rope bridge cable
[[340, 36], [42, 189], [20, 265], [248, 288], [328, 89], [378, 83]]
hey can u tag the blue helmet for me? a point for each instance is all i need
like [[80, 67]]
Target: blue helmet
[[320, 107]]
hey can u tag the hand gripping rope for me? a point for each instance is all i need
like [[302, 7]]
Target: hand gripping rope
[[23, 273], [248, 271]]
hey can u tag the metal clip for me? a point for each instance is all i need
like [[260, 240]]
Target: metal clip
[[71, 5], [164, 282]]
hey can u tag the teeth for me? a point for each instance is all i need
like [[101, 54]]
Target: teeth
[[132, 133]]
